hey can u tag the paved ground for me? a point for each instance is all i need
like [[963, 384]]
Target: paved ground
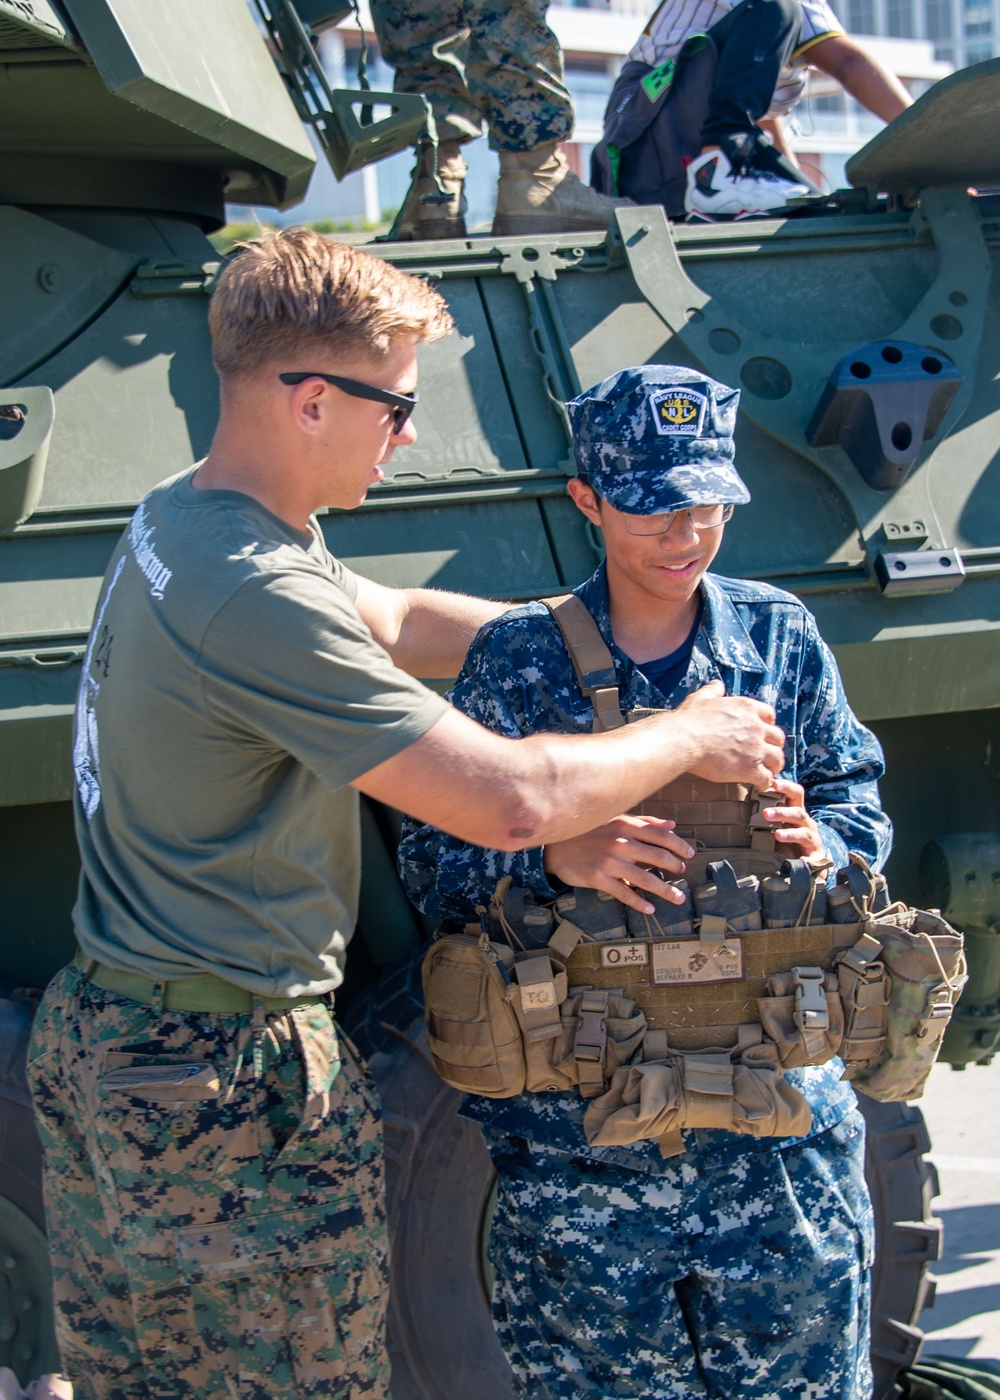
[[962, 1111]]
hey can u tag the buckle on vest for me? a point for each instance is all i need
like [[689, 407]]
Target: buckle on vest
[[811, 1013], [938, 1007], [590, 1042]]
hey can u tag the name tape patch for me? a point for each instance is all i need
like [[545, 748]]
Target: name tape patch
[[686, 961], [692, 961], [678, 412]]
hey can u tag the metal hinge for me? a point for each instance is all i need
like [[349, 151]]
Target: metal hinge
[[174, 279]]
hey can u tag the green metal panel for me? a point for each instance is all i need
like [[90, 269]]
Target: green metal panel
[[136, 399], [35, 732], [38, 875], [154, 121], [924, 669], [49, 583], [164, 60], [948, 137], [471, 432], [576, 552], [51, 282], [500, 550], [539, 422], [942, 777]]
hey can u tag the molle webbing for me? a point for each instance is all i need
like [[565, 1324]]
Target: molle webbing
[[701, 1014], [708, 814], [713, 815]]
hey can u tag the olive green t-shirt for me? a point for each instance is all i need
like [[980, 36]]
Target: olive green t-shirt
[[230, 693]]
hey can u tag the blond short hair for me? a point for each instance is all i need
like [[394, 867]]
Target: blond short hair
[[290, 294]]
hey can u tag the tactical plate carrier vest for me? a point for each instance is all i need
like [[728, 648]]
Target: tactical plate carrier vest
[[688, 1017]]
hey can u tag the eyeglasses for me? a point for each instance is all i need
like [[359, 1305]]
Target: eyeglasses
[[701, 517], [402, 405]]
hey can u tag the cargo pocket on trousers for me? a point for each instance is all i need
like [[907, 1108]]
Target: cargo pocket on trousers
[[303, 1289]]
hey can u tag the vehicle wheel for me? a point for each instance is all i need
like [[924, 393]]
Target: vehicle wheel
[[27, 1330], [439, 1182], [907, 1237]]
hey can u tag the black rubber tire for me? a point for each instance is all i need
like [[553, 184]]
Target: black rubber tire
[[27, 1326], [907, 1236], [439, 1182]]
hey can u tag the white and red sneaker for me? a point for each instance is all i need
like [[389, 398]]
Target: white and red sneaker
[[715, 190]]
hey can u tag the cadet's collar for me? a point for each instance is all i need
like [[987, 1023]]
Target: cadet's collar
[[724, 630], [721, 625]]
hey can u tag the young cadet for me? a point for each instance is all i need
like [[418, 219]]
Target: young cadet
[[765, 49], [741, 1266], [212, 1148]]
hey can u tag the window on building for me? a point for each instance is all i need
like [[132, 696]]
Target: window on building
[[978, 22], [937, 17], [899, 19], [944, 54], [590, 89], [978, 53], [861, 16]]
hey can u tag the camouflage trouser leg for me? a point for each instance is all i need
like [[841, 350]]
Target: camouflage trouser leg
[[477, 60], [748, 1281], [215, 1202]]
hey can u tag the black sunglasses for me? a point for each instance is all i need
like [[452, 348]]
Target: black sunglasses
[[402, 405]]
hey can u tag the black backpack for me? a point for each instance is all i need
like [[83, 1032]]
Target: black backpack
[[652, 127]]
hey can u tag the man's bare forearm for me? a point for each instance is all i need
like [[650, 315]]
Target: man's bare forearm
[[508, 794], [426, 631], [437, 630], [861, 75]]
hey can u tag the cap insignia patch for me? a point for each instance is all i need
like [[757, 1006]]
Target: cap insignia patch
[[678, 412]]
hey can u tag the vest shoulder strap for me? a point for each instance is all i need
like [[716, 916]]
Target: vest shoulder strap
[[592, 661]]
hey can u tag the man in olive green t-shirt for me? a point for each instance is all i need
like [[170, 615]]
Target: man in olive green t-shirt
[[212, 1148]]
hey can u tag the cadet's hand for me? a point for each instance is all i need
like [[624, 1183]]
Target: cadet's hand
[[604, 858], [795, 830], [737, 738]]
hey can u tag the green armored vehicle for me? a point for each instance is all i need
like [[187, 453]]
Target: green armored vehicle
[[865, 335]]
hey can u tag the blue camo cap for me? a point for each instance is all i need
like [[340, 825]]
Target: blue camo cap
[[658, 438]]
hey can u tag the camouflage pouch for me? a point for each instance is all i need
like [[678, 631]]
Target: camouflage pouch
[[802, 1014], [864, 995], [925, 962], [600, 1030], [475, 1036]]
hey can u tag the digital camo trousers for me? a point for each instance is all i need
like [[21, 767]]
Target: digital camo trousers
[[746, 1281], [479, 60], [214, 1195]]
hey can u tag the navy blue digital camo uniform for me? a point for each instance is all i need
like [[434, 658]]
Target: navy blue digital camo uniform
[[740, 1268]]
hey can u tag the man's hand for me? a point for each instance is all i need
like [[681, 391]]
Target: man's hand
[[795, 830], [737, 738], [610, 854]]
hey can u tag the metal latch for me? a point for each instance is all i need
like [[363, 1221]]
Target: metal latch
[[938, 1008], [907, 571]]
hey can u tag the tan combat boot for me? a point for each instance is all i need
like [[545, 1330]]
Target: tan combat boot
[[422, 220], [538, 193]]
